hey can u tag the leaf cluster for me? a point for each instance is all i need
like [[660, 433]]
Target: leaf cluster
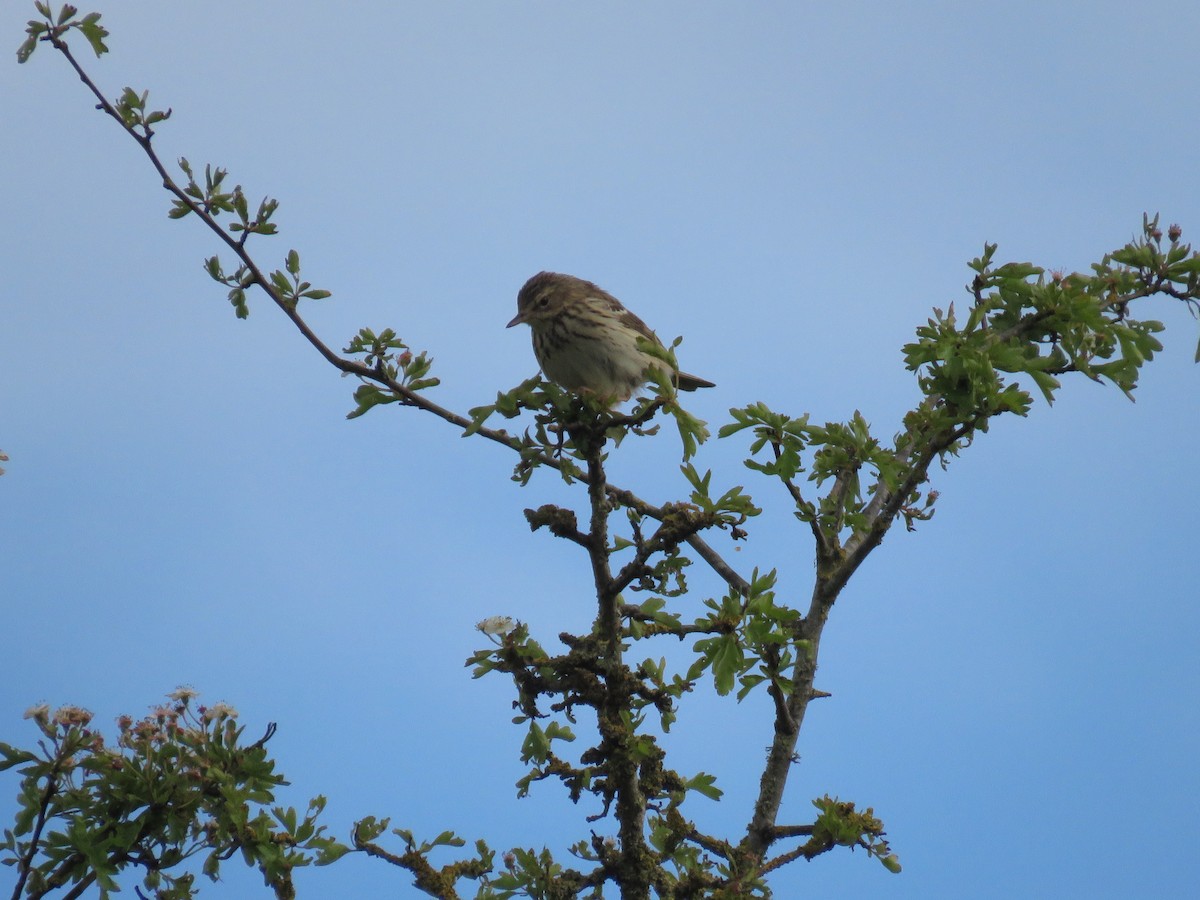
[[53, 27], [1023, 322], [840, 825], [176, 785]]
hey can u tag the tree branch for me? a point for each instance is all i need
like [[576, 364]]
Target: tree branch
[[408, 397], [26, 864]]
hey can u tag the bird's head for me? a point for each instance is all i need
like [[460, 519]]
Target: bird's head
[[543, 298]]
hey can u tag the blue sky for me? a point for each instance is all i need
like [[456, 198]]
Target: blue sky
[[789, 186]]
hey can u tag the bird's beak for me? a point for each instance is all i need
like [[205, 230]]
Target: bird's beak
[[518, 319]]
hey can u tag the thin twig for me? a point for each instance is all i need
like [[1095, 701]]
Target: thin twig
[[823, 541]]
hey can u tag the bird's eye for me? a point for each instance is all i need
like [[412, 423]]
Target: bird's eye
[[543, 301]]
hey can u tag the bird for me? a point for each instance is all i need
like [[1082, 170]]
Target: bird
[[585, 339]]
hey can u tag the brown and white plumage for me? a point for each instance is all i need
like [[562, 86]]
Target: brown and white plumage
[[585, 340]]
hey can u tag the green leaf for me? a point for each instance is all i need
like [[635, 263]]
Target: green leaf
[[1189, 266], [557, 732], [726, 663], [760, 584], [280, 282], [696, 669], [1017, 271], [692, 431], [749, 683], [26, 49], [705, 784], [700, 483], [239, 205], [733, 427], [293, 262], [288, 818], [1138, 256], [370, 828], [34, 30], [13, 756], [1047, 383], [368, 396], [479, 415], [536, 746], [237, 297], [329, 851]]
